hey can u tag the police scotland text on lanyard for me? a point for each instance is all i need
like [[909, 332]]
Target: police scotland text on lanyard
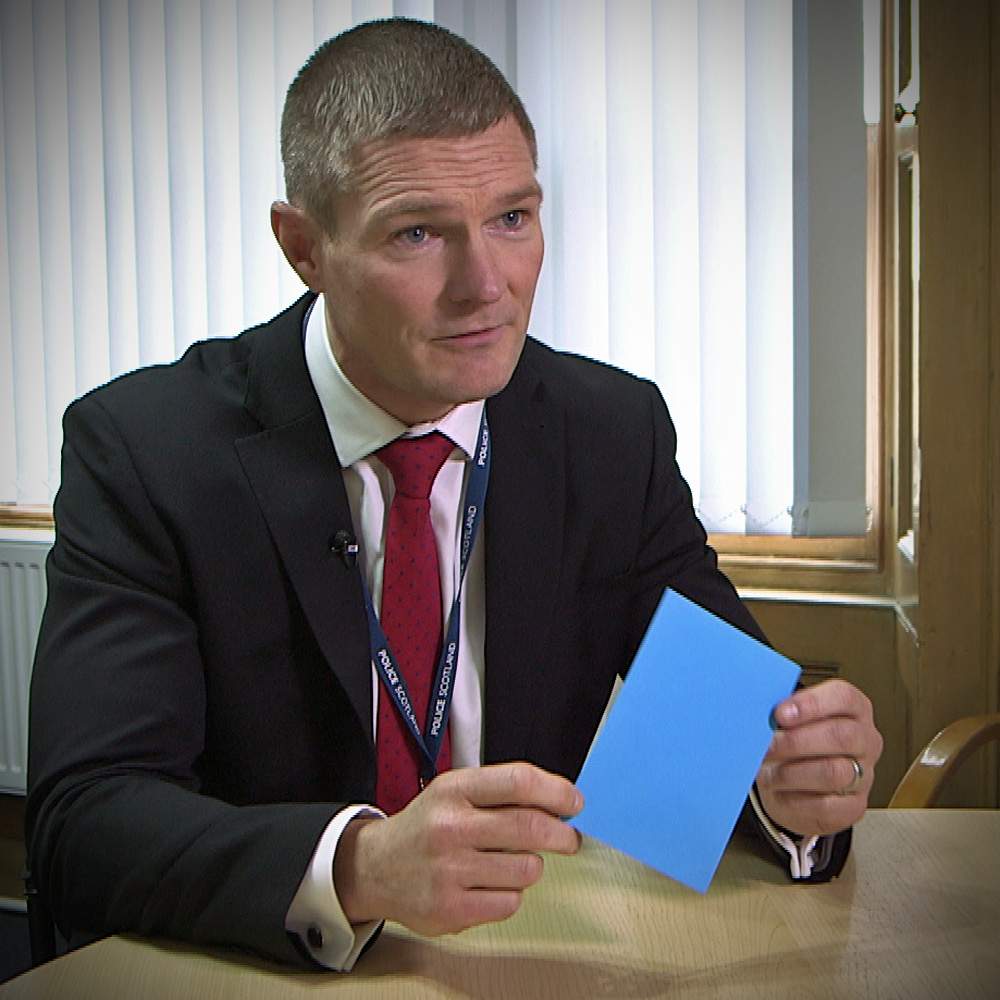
[[429, 740]]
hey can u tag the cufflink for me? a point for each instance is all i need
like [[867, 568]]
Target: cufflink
[[315, 938]]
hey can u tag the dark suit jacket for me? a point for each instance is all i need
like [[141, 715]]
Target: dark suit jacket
[[201, 698]]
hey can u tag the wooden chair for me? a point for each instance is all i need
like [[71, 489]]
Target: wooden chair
[[922, 783]]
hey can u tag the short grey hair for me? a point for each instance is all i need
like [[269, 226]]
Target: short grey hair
[[383, 79]]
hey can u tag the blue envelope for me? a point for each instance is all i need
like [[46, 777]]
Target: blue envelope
[[669, 772]]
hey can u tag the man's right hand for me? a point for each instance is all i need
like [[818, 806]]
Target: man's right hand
[[461, 853]]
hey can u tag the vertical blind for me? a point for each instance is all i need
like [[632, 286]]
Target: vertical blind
[[139, 159]]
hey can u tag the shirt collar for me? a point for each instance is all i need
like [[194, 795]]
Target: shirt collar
[[357, 425]]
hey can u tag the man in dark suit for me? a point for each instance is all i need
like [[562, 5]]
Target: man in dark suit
[[210, 707]]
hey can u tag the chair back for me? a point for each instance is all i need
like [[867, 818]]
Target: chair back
[[924, 781]]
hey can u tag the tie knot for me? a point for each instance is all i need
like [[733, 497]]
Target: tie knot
[[415, 462]]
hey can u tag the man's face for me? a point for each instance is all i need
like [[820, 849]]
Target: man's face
[[431, 272]]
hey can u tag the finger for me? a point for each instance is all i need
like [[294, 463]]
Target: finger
[[483, 906], [514, 828], [828, 698], [836, 737], [808, 813], [519, 784], [503, 870], [823, 775]]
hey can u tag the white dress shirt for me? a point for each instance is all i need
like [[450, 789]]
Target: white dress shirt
[[358, 428]]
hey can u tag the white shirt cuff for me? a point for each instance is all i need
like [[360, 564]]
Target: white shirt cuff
[[316, 915], [800, 855]]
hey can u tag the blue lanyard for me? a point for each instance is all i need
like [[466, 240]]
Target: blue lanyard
[[430, 738]]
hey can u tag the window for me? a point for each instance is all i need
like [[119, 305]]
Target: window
[[691, 153]]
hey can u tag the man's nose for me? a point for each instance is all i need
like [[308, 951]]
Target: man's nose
[[474, 272]]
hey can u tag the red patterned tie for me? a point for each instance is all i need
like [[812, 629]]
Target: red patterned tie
[[410, 613]]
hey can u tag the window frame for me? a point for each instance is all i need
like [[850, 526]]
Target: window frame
[[851, 564]]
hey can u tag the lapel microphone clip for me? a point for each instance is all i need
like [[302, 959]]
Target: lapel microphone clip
[[346, 546]]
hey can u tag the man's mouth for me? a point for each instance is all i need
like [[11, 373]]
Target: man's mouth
[[477, 334]]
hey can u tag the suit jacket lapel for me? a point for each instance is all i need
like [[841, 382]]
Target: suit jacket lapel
[[524, 540], [294, 472]]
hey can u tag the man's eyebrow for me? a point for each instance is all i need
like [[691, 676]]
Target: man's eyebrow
[[417, 206], [408, 206], [522, 194]]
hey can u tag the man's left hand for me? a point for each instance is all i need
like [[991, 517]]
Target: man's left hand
[[808, 782]]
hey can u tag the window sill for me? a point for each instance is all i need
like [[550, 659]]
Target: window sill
[[18, 517]]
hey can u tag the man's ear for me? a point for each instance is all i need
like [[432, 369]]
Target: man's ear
[[300, 239]]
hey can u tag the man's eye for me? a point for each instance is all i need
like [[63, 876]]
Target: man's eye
[[413, 236], [512, 220]]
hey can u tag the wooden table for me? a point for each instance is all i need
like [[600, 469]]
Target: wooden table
[[915, 915]]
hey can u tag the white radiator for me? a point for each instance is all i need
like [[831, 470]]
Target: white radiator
[[22, 597]]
